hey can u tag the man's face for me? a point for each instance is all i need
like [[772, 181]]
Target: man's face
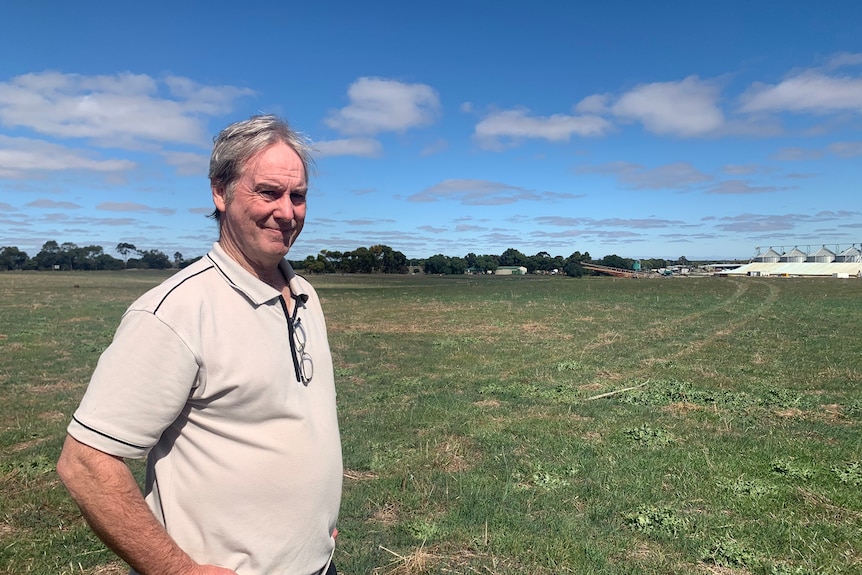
[[266, 211]]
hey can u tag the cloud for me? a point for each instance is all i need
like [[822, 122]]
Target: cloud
[[796, 154], [742, 169], [51, 205], [509, 127], [133, 207], [687, 108], [4, 207], [809, 91], [677, 176], [381, 105], [482, 193], [846, 149], [760, 223], [636, 223], [742, 187], [25, 157], [123, 110], [362, 147], [187, 163]]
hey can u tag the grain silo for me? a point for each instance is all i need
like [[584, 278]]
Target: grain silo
[[794, 256], [822, 256], [770, 256], [850, 255]]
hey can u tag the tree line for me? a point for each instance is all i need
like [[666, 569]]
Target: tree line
[[70, 256], [368, 260]]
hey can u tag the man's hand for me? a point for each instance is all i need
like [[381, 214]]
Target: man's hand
[[111, 502], [211, 570]]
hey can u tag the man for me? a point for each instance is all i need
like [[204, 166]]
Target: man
[[222, 377]]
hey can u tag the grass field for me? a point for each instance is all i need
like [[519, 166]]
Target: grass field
[[515, 425]]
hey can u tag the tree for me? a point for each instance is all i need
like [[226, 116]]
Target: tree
[[155, 260], [178, 259], [124, 249], [48, 256], [512, 257], [11, 258]]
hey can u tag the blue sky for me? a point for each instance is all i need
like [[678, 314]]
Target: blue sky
[[642, 129]]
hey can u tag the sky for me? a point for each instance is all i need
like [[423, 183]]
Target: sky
[[709, 130]]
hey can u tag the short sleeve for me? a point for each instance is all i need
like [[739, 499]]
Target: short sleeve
[[141, 384]]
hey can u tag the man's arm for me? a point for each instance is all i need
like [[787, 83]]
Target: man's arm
[[106, 491]]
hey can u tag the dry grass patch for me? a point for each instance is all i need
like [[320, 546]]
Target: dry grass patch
[[417, 562], [452, 455]]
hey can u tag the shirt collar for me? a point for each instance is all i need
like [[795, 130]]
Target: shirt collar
[[255, 290]]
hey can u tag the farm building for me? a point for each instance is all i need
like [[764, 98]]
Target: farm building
[[795, 262], [511, 271]]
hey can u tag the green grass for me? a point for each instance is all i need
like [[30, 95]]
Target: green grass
[[482, 432]]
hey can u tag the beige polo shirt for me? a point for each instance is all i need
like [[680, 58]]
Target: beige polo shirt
[[244, 462]]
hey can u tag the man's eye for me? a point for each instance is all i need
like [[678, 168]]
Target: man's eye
[[269, 194], [297, 198]]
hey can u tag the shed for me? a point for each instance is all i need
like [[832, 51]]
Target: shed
[[511, 271]]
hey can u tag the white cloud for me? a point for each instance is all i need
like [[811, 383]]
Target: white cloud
[[595, 104], [187, 163], [53, 205], [846, 149], [809, 91], [381, 105], [687, 108], [133, 207], [676, 176], [363, 147], [740, 187], [483, 193], [844, 59], [124, 110], [25, 157], [516, 125]]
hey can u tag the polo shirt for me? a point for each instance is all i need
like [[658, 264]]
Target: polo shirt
[[244, 463]]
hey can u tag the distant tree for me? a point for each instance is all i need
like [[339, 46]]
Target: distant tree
[[615, 261], [124, 249], [437, 264], [387, 260], [682, 261], [187, 263], [11, 258], [315, 265], [512, 257], [154, 260], [359, 261], [573, 267], [178, 259], [48, 256]]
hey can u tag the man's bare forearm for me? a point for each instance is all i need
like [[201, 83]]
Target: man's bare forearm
[[106, 491]]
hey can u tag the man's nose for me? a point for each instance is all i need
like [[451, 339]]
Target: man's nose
[[284, 208]]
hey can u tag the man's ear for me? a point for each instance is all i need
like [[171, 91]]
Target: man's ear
[[219, 199]]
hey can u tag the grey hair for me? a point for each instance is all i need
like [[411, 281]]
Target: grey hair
[[240, 141]]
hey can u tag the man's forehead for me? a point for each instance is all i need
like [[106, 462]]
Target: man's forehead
[[276, 159]]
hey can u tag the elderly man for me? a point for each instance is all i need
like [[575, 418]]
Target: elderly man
[[222, 377]]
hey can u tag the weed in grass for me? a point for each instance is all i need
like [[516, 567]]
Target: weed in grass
[[728, 553], [646, 436], [568, 365], [748, 488], [656, 520], [849, 474], [788, 467]]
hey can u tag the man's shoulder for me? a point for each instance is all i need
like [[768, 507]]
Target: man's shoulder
[[192, 281]]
